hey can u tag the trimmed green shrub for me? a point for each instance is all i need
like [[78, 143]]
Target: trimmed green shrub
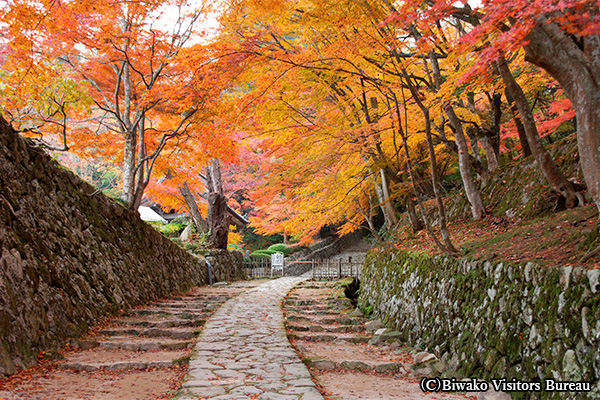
[[280, 248], [260, 255]]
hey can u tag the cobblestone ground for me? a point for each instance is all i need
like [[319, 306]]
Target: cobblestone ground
[[243, 352]]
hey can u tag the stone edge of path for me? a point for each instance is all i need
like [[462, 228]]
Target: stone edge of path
[[300, 387]]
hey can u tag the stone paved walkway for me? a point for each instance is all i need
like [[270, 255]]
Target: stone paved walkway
[[243, 352]]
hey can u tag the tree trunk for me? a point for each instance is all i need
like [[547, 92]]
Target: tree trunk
[[576, 66], [494, 134], [490, 154], [558, 182], [129, 168], [140, 168], [473, 195], [218, 220], [477, 209], [450, 250], [415, 222], [368, 216], [520, 128], [190, 201], [474, 143], [213, 175], [389, 212]]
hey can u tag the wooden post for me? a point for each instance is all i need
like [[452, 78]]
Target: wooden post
[[350, 262], [340, 268], [313, 268]]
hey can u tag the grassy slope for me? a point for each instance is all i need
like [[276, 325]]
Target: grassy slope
[[522, 224]]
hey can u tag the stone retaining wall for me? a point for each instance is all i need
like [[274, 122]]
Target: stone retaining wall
[[322, 250], [69, 255], [492, 320], [227, 266]]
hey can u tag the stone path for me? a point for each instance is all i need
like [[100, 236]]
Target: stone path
[[243, 352]]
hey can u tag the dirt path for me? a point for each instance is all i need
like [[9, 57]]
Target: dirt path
[[333, 341], [142, 354]]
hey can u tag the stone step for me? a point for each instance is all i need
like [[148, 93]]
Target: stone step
[[205, 298], [297, 328], [180, 305], [314, 310], [325, 337], [133, 343], [316, 285], [178, 333], [118, 365], [327, 320], [319, 306], [294, 302], [303, 307], [120, 360], [326, 328], [340, 328], [314, 313], [355, 366], [165, 323], [170, 312]]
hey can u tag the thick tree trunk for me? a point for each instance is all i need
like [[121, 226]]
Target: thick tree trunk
[[415, 222], [558, 182], [576, 66], [477, 208], [213, 175], [190, 201], [490, 154], [218, 220]]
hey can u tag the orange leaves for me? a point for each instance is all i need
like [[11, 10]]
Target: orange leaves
[[110, 75]]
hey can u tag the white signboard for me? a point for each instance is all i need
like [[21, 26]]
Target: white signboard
[[277, 261]]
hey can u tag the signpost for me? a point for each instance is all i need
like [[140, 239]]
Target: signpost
[[277, 263]]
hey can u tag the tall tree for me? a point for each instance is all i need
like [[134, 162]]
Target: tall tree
[[563, 38], [135, 60]]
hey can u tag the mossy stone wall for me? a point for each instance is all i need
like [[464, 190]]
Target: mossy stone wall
[[69, 255], [490, 319]]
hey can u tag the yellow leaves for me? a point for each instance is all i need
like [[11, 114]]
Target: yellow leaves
[[234, 238]]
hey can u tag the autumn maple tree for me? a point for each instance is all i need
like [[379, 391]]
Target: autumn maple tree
[[346, 109], [368, 93], [150, 89]]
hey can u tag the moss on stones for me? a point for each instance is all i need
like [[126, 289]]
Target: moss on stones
[[494, 319]]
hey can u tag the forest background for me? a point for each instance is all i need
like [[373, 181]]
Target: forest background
[[306, 115]]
